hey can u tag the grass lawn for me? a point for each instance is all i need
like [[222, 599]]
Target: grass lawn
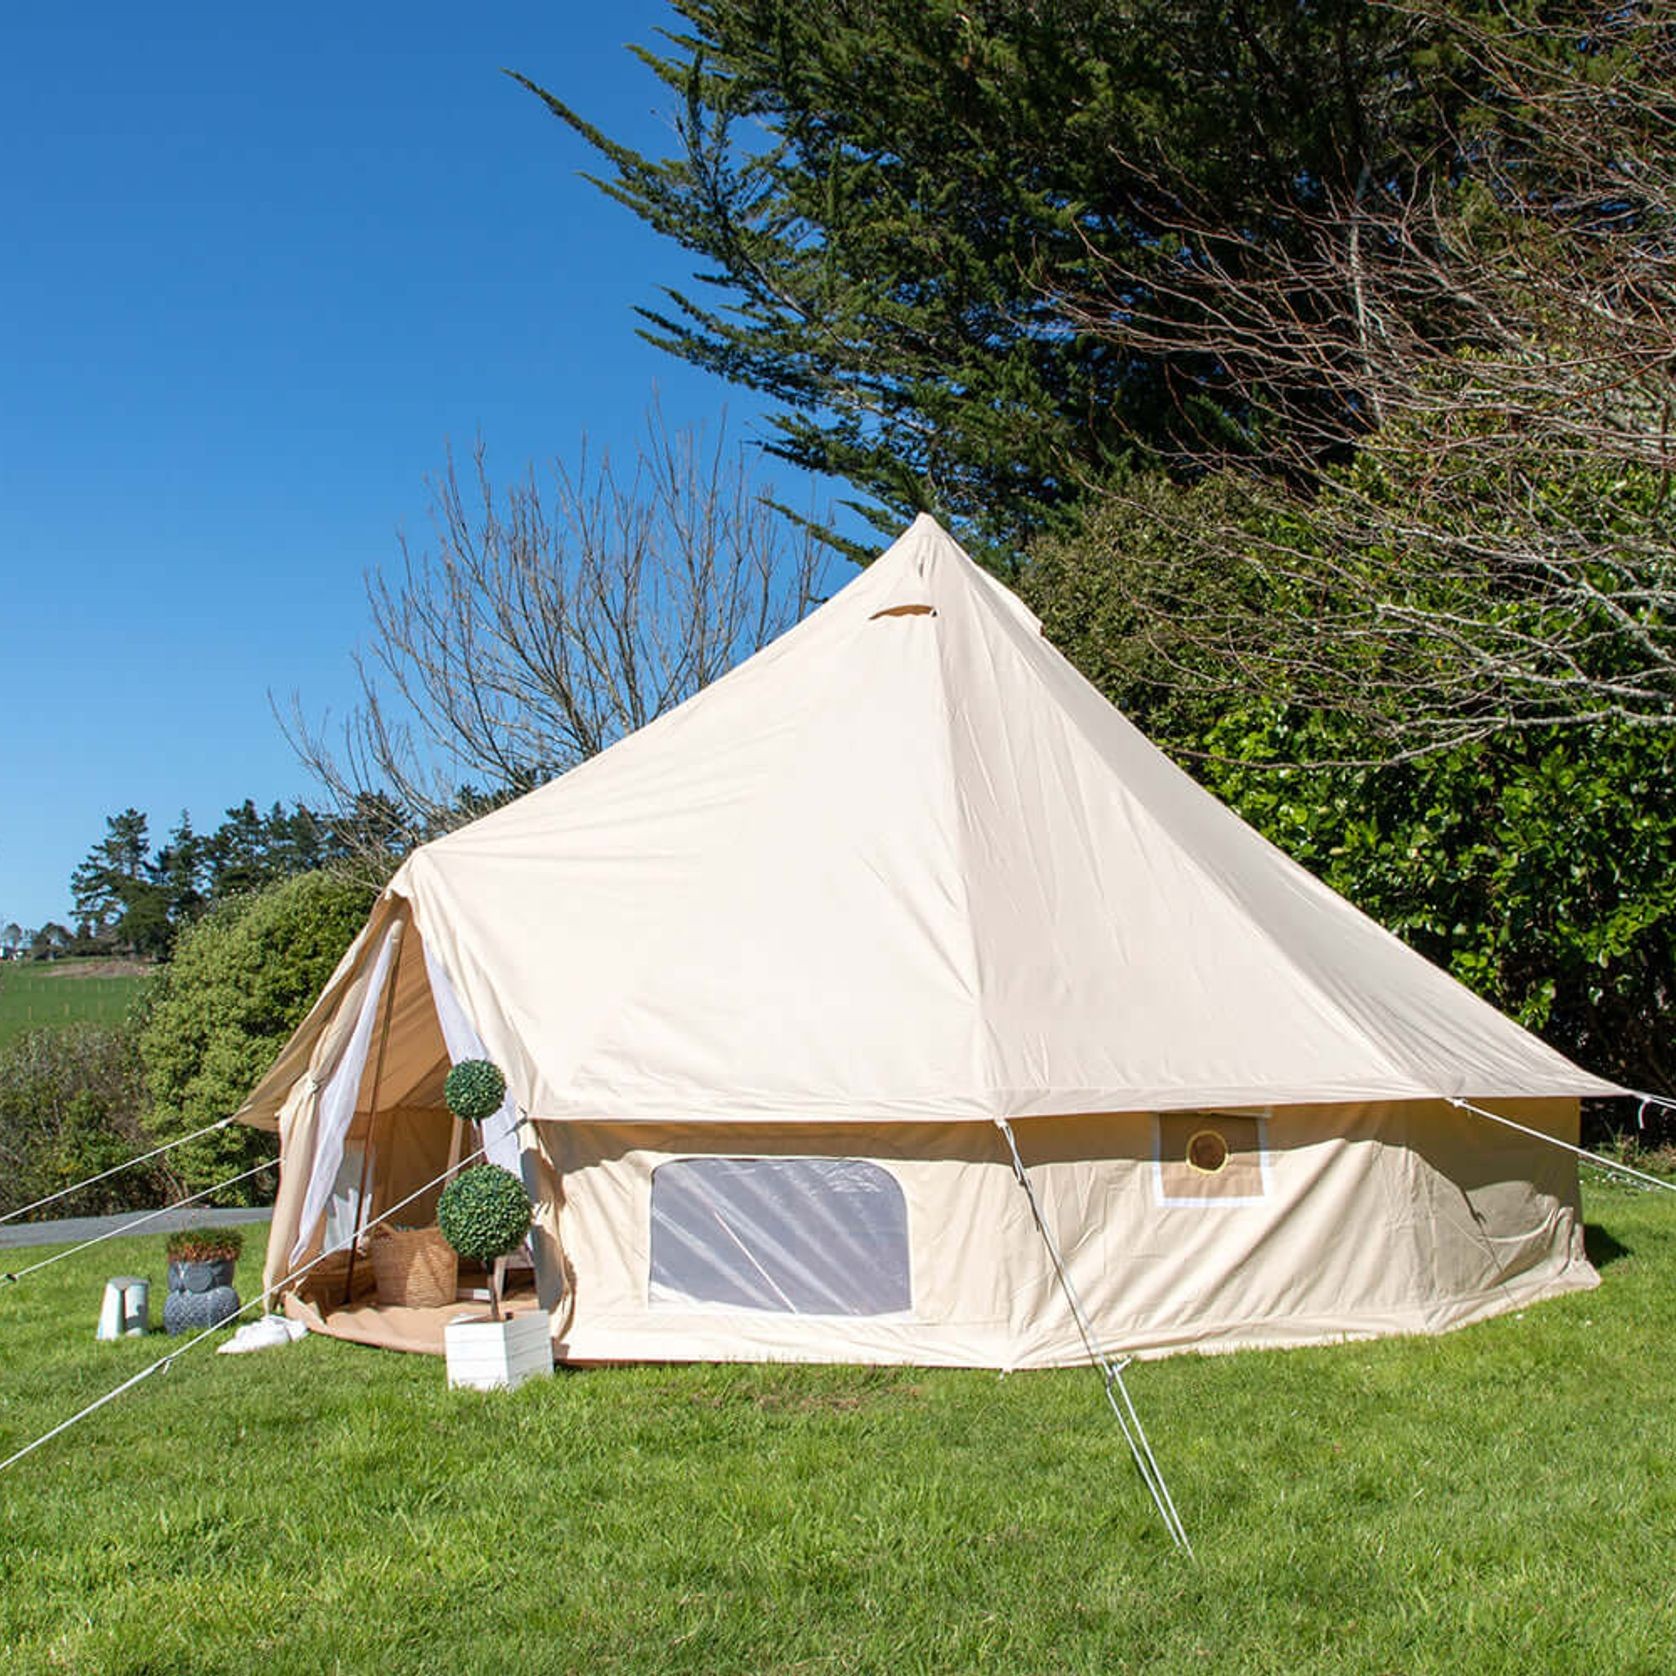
[[34, 993], [1500, 1499]]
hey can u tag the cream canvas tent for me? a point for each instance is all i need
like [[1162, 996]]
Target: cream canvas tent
[[775, 980]]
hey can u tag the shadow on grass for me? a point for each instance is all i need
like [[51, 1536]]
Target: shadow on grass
[[1601, 1247]]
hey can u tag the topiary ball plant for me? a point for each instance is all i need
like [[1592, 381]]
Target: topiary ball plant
[[475, 1089], [485, 1214]]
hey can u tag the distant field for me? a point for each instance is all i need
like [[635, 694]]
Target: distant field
[[65, 991]]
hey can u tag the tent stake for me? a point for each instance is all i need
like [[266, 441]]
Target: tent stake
[[372, 1121], [1111, 1373]]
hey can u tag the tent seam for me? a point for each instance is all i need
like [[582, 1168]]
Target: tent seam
[[983, 1080]]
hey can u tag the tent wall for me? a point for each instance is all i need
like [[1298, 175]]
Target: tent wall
[[1369, 1220], [293, 1088], [1324, 1223]]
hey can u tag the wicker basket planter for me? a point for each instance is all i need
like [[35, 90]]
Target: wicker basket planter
[[327, 1280], [414, 1267]]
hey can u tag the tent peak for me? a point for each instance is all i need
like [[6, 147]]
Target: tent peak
[[920, 546]]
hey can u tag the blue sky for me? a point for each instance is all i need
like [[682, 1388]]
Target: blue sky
[[259, 269]]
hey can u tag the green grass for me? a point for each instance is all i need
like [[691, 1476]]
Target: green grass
[[36, 993], [1499, 1499]]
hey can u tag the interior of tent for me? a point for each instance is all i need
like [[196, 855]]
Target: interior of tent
[[378, 1135]]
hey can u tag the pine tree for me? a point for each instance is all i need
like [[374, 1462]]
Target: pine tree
[[895, 202], [112, 873]]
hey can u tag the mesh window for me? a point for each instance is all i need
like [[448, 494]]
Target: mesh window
[[794, 1236], [1209, 1158]]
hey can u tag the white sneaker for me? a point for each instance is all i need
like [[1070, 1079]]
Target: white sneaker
[[268, 1333]]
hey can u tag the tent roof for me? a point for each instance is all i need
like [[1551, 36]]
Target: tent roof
[[907, 864]]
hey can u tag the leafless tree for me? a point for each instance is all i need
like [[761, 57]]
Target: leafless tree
[[1442, 401], [544, 622]]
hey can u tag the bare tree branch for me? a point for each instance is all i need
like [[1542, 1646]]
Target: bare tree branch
[[1446, 398], [545, 622]]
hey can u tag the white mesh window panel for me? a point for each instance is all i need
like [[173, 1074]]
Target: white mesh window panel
[[792, 1236]]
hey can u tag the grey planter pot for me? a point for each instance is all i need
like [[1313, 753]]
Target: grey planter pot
[[200, 1295], [200, 1277], [191, 1312]]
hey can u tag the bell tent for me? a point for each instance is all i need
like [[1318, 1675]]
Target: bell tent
[[780, 982]]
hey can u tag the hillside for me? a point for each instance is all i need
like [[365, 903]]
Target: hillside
[[34, 993]]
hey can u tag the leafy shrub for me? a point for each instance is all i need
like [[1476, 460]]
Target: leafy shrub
[[240, 982], [485, 1214], [1629, 1148], [475, 1089], [205, 1245], [1538, 866], [1539, 870], [70, 1100]]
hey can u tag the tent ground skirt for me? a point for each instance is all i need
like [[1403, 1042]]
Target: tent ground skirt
[[393, 1327], [389, 1327]]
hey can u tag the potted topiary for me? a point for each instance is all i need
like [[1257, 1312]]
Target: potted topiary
[[201, 1291], [413, 1265], [485, 1215], [475, 1090]]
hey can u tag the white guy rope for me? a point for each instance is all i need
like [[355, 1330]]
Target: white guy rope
[[116, 1169], [135, 1222], [163, 1362], [1553, 1140], [1647, 1100], [1128, 1417]]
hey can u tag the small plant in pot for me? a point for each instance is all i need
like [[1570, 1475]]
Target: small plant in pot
[[485, 1215], [201, 1291]]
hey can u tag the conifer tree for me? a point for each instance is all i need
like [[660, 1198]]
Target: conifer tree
[[892, 201]]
